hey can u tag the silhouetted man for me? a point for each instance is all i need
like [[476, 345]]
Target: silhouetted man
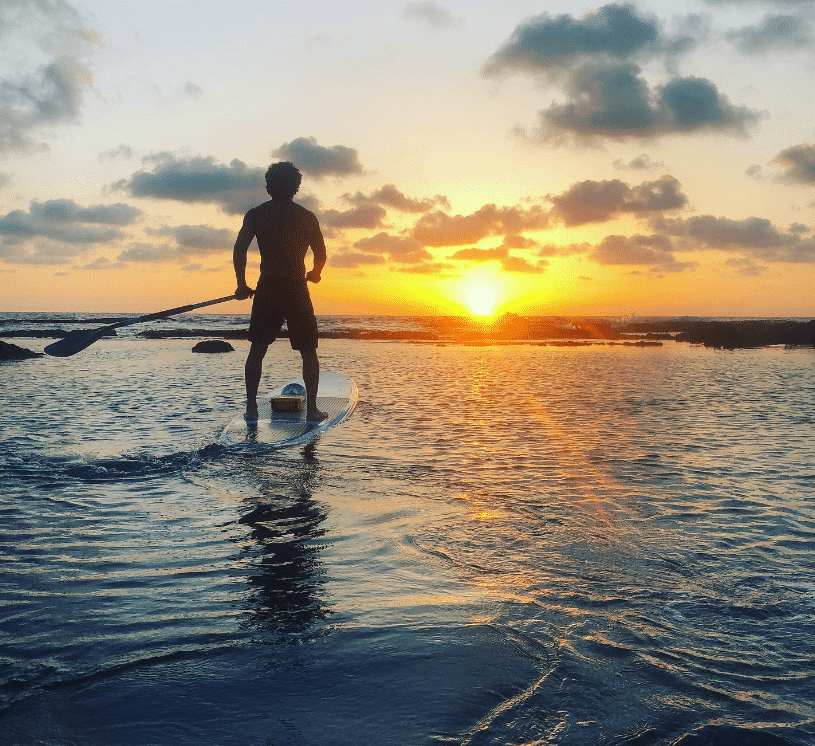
[[285, 232]]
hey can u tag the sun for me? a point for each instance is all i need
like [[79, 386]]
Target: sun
[[480, 300]]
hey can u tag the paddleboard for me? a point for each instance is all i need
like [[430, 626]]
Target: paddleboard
[[337, 396]]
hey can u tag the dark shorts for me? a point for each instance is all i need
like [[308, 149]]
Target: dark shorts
[[279, 299]]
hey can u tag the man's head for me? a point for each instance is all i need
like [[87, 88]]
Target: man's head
[[283, 180]]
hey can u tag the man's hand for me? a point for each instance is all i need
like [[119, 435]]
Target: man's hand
[[243, 292], [313, 276]]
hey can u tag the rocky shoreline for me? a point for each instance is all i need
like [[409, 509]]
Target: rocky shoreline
[[510, 328]]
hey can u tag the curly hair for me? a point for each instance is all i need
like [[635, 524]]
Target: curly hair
[[283, 180]]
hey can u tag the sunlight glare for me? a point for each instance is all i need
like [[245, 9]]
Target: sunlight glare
[[480, 300]]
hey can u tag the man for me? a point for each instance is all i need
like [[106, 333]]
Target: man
[[285, 232]]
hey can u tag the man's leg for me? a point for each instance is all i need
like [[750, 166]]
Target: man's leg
[[311, 377], [253, 371]]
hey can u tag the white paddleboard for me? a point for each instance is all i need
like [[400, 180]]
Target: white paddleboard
[[337, 396]]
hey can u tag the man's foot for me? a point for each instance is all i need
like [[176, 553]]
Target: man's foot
[[316, 416], [251, 414]]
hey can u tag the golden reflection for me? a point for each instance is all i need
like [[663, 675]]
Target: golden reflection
[[489, 515]]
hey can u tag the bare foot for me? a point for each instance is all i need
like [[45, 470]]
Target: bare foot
[[251, 414], [316, 416]]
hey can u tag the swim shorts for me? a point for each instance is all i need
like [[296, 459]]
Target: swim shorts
[[279, 299]]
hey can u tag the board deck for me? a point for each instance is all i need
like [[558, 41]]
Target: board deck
[[337, 397]]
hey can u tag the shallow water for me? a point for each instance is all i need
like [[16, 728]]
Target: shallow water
[[503, 545]]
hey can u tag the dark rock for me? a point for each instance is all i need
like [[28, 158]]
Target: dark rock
[[9, 351], [747, 333], [213, 345]]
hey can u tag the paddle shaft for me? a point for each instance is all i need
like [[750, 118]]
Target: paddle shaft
[[79, 340], [170, 312]]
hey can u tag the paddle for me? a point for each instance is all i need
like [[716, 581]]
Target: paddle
[[79, 340]]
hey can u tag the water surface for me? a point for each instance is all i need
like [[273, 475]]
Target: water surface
[[503, 545]]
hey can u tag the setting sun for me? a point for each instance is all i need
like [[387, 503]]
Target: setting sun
[[480, 300]]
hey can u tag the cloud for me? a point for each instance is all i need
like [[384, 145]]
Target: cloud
[[509, 263], [440, 229], [65, 221], [518, 242], [755, 172], [187, 241], [521, 265], [365, 216], [544, 43], [597, 201], [122, 151], [393, 246], [187, 90], [5, 179], [755, 242], [50, 96], [101, 263], [146, 253], [430, 14], [655, 249], [614, 101], [411, 253], [747, 267], [190, 89], [597, 61], [399, 249], [755, 237], [550, 249], [352, 259], [33, 101], [640, 163], [319, 161], [197, 239], [695, 103], [234, 188], [798, 163], [45, 253], [774, 32], [390, 196]]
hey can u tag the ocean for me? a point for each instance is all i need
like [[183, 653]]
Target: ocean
[[505, 544]]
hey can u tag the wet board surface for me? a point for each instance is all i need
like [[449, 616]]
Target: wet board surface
[[337, 397]]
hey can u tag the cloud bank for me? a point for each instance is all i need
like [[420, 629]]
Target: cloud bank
[[33, 102], [235, 187], [318, 161], [597, 61], [56, 231], [598, 201]]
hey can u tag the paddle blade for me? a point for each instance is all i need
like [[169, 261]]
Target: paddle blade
[[79, 340], [75, 342]]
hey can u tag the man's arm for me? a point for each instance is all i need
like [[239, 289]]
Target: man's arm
[[245, 236], [318, 249]]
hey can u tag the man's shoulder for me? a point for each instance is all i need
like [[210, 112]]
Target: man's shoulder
[[271, 207], [305, 212], [255, 211]]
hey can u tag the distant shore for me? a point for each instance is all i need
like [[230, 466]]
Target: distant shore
[[506, 329]]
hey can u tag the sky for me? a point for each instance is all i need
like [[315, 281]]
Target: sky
[[548, 158]]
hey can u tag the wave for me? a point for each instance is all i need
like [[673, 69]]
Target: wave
[[48, 470]]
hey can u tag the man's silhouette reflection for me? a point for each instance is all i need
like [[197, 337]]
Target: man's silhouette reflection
[[286, 591]]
